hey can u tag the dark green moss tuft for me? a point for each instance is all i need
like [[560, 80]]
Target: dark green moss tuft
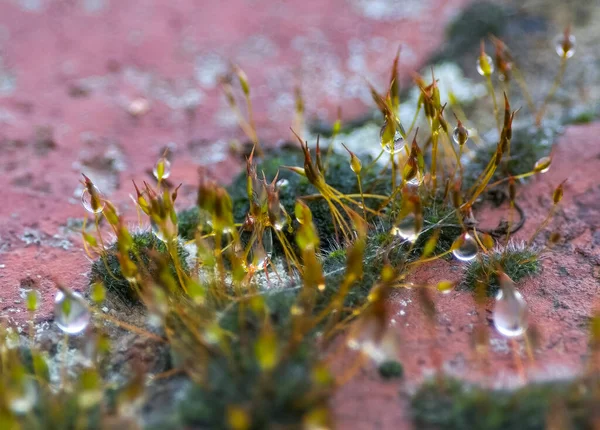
[[517, 262], [452, 405], [187, 222], [114, 281], [391, 369]]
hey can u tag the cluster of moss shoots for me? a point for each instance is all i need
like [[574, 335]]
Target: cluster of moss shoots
[[250, 289]]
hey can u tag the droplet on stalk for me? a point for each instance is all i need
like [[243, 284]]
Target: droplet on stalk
[[168, 230], [465, 247], [398, 140], [564, 44], [542, 165], [93, 204], [460, 134], [510, 312], [485, 66], [407, 229], [162, 169], [71, 314]]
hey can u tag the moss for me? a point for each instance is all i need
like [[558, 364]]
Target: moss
[[516, 260], [280, 400], [451, 405], [115, 283], [391, 369], [187, 222], [474, 23], [338, 175]]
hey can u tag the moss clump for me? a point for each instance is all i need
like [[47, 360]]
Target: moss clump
[[280, 401], [391, 369], [143, 243], [452, 405], [516, 260], [476, 22], [187, 222], [338, 175]]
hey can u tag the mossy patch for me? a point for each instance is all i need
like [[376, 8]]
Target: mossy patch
[[338, 175], [143, 243], [452, 405], [517, 261], [391, 369]]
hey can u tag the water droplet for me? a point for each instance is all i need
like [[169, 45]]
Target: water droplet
[[407, 228], [465, 247], [282, 183], [542, 165], [510, 313], [460, 135], [95, 205], [71, 314], [489, 65], [565, 46], [169, 229], [21, 398], [398, 140], [281, 219], [165, 165], [261, 252]]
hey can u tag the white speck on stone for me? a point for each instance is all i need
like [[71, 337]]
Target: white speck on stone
[[390, 10]]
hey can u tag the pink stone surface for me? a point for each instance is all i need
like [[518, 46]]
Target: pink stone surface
[[69, 70]]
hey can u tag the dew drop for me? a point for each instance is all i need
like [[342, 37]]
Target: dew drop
[[465, 247], [261, 252], [282, 183], [89, 204], [398, 140], [71, 314], [406, 229], [168, 227], [542, 165], [22, 397], [565, 46], [165, 165], [510, 313], [490, 65], [460, 135]]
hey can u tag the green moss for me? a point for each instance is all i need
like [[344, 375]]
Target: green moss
[[280, 400], [517, 261], [474, 23], [452, 405], [187, 222], [391, 369], [338, 175], [115, 283]]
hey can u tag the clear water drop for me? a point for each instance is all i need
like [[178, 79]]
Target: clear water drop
[[542, 165], [460, 135], [71, 314], [489, 62], [166, 166], [261, 252], [407, 229], [465, 247], [565, 46], [89, 204], [510, 313], [398, 140], [169, 229], [282, 183], [22, 397]]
